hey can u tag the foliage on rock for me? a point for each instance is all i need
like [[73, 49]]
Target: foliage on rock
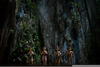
[[27, 37]]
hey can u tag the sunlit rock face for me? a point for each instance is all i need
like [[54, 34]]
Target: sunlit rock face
[[59, 27]]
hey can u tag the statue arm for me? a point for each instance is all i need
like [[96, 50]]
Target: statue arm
[[28, 53], [46, 52], [32, 52], [67, 52]]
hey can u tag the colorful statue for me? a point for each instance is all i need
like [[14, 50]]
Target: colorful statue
[[58, 54], [44, 56], [30, 56], [70, 55]]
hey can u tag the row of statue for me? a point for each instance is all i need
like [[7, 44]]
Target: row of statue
[[44, 56]]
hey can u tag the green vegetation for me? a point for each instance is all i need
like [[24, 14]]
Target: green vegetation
[[31, 7], [68, 39], [68, 20], [72, 3], [19, 52], [19, 2], [28, 36], [74, 16], [12, 31], [77, 5], [97, 1]]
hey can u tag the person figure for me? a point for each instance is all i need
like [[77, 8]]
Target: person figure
[[30, 55], [58, 54], [70, 55], [44, 56]]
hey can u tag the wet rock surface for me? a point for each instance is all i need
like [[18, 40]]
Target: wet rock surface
[[60, 27], [66, 23]]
